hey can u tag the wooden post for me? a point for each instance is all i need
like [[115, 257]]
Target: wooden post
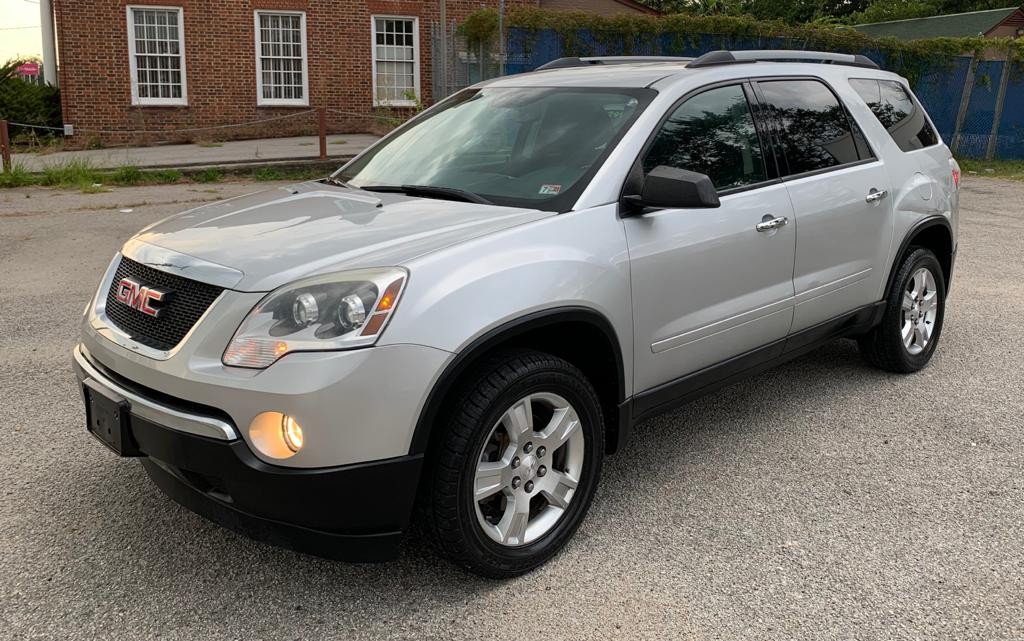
[[5, 146], [322, 112]]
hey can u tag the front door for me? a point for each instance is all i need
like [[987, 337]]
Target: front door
[[707, 284]]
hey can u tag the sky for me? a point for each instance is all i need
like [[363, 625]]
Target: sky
[[15, 40]]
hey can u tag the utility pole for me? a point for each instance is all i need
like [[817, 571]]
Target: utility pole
[[444, 51], [49, 42], [501, 38]]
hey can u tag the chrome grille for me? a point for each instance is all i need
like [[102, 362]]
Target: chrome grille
[[188, 302]]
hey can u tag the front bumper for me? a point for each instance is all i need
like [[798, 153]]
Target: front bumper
[[352, 512]]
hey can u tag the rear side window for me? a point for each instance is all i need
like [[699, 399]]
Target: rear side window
[[816, 132], [712, 133], [898, 111]]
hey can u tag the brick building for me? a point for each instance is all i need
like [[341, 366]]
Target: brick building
[[169, 65]]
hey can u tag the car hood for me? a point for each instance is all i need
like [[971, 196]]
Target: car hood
[[269, 238]]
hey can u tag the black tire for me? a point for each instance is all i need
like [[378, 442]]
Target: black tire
[[883, 346], [447, 508]]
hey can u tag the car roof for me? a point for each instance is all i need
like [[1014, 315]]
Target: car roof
[[617, 75], [622, 72]]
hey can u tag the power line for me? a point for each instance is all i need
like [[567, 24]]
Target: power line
[[28, 26]]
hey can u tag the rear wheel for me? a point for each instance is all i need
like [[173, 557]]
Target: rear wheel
[[909, 332], [512, 476]]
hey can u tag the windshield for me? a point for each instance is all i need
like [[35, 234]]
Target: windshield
[[532, 147]]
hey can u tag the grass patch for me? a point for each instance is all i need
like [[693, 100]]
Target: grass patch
[[264, 174], [209, 143], [164, 176], [295, 174], [1012, 169], [127, 175], [16, 177], [208, 176], [70, 173], [337, 141]]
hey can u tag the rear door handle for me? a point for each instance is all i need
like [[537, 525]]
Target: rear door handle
[[773, 223], [874, 196]]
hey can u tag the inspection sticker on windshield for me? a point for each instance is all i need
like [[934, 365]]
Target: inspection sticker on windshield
[[550, 190]]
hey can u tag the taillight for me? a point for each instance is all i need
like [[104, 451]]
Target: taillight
[[956, 173]]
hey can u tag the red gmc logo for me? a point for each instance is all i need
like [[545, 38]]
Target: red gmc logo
[[139, 296]]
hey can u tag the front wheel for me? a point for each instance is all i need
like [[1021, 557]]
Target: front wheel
[[914, 308], [512, 475]]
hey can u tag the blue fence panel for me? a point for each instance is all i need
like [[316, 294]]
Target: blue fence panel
[[941, 90], [977, 125], [1010, 143]]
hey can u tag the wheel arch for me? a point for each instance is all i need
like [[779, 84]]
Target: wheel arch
[[580, 335], [934, 233]]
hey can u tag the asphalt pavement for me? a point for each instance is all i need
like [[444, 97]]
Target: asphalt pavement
[[820, 500]]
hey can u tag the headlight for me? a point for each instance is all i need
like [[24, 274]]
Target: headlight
[[329, 312]]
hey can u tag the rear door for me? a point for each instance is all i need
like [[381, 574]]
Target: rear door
[[707, 285], [840, 193]]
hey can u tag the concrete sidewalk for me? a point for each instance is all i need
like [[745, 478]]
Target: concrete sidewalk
[[302, 148]]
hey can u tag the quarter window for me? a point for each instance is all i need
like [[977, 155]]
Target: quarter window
[[898, 111], [816, 132], [156, 48], [281, 59], [712, 133], [395, 61]]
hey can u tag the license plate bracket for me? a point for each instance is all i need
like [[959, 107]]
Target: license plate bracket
[[108, 418]]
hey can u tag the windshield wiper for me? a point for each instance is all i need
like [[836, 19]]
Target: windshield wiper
[[428, 191]]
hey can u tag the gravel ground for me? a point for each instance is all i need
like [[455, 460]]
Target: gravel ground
[[821, 500]]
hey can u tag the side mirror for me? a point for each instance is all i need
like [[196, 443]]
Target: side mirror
[[673, 188]]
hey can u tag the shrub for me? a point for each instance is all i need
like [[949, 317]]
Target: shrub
[[22, 101]]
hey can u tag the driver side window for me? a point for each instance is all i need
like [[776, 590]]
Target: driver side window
[[712, 133]]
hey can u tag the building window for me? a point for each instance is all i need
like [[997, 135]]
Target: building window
[[281, 76], [396, 53], [156, 48]]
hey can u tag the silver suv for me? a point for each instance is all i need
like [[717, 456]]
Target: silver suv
[[464, 320]]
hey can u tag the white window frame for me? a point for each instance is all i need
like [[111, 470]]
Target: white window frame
[[281, 102], [415, 60], [133, 65]]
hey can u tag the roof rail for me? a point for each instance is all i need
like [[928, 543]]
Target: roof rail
[[562, 63], [714, 58]]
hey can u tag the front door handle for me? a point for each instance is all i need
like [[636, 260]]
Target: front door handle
[[874, 196], [772, 223]]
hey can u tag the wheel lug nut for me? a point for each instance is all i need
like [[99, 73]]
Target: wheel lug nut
[[542, 471], [515, 482], [541, 451], [515, 462], [528, 448], [529, 486]]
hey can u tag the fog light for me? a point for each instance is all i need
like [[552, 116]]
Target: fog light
[[292, 433], [276, 435]]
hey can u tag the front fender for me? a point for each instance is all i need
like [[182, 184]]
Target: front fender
[[578, 259]]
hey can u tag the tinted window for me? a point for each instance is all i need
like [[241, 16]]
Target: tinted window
[[815, 130], [712, 133], [898, 112]]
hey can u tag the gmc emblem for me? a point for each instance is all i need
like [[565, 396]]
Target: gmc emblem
[[140, 297]]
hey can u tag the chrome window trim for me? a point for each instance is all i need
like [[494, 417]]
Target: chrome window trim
[[153, 411]]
